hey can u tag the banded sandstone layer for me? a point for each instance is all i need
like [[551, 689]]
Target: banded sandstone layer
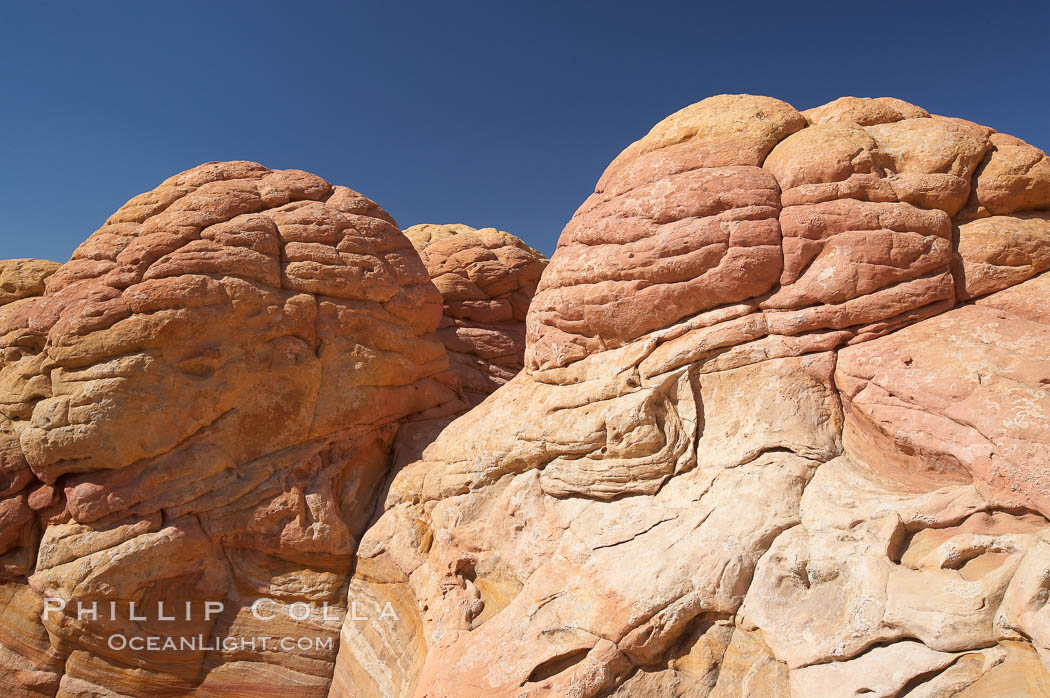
[[199, 407], [782, 430]]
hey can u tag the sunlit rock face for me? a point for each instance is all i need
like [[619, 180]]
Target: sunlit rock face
[[782, 430], [200, 408], [24, 278], [774, 423]]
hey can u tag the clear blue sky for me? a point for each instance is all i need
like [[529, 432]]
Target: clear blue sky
[[497, 113]]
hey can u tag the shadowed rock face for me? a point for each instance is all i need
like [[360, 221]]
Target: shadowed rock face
[[20, 280], [782, 430], [487, 279], [200, 407]]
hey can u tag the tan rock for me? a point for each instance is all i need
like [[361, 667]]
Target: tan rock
[[998, 252], [720, 131], [882, 672], [200, 408], [864, 111], [552, 531], [932, 160], [1014, 177], [24, 278]]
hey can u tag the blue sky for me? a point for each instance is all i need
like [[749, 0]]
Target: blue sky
[[499, 114]]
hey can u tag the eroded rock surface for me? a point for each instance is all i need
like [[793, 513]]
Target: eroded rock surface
[[781, 429], [757, 449], [200, 407], [487, 279], [24, 278]]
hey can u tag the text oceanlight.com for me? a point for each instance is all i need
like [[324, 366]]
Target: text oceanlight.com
[[155, 643]]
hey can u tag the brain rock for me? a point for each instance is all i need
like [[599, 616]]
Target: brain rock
[[199, 407]]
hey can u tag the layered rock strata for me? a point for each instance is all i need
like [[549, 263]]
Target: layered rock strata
[[781, 431], [487, 279], [198, 411]]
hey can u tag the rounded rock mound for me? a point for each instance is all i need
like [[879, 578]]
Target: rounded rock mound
[[24, 278], [756, 448], [199, 408], [487, 279], [802, 230]]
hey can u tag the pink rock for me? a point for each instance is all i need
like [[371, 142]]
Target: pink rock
[[756, 448]]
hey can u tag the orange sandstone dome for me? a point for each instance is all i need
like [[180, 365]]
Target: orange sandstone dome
[[198, 407]]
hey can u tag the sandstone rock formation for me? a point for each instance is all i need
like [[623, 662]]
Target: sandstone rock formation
[[24, 278], [200, 408], [782, 430], [487, 279]]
